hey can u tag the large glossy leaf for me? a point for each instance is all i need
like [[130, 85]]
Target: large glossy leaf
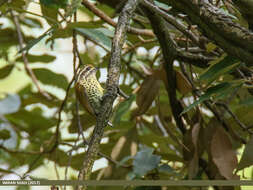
[[50, 78], [145, 161], [98, 36]]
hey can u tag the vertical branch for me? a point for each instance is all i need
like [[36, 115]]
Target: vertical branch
[[111, 89], [169, 54]]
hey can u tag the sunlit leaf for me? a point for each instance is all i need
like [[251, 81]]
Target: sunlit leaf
[[98, 36], [162, 5], [247, 156]]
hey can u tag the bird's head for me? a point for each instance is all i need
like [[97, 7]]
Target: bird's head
[[87, 71]]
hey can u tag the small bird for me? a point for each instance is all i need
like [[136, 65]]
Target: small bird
[[89, 91]]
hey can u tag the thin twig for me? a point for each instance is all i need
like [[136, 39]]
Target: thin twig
[[80, 132], [138, 45], [244, 127], [27, 68], [56, 137], [173, 21], [108, 20]]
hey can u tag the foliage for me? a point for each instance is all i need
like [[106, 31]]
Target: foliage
[[215, 91]]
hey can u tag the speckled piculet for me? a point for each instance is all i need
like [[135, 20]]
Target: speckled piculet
[[89, 91]]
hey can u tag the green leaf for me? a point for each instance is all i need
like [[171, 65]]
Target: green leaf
[[10, 104], [162, 5], [247, 156], [4, 134], [50, 13], [145, 161], [34, 98], [8, 37], [67, 31], [218, 89], [122, 109], [45, 58], [48, 77], [33, 43], [225, 65], [31, 121], [5, 71], [54, 3], [98, 36]]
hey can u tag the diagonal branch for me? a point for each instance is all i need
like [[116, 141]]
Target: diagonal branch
[[231, 37], [111, 89], [173, 21], [108, 20]]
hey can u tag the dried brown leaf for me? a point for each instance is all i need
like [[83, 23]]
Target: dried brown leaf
[[183, 85], [147, 93], [222, 153], [194, 163]]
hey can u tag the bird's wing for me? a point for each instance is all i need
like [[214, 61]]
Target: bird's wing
[[83, 99]]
